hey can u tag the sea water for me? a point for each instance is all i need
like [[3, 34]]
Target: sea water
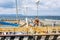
[[13, 16]]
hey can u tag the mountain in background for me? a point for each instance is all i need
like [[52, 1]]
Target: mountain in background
[[10, 15]]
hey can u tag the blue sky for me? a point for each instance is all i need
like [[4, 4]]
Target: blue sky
[[46, 7]]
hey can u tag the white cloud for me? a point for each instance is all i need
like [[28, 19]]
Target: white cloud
[[4, 1], [44, 4], [51, 3], [31, 4], [8, 11]]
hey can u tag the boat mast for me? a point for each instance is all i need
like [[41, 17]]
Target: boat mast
[[16, 10], [26, 15], [37, 4]]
